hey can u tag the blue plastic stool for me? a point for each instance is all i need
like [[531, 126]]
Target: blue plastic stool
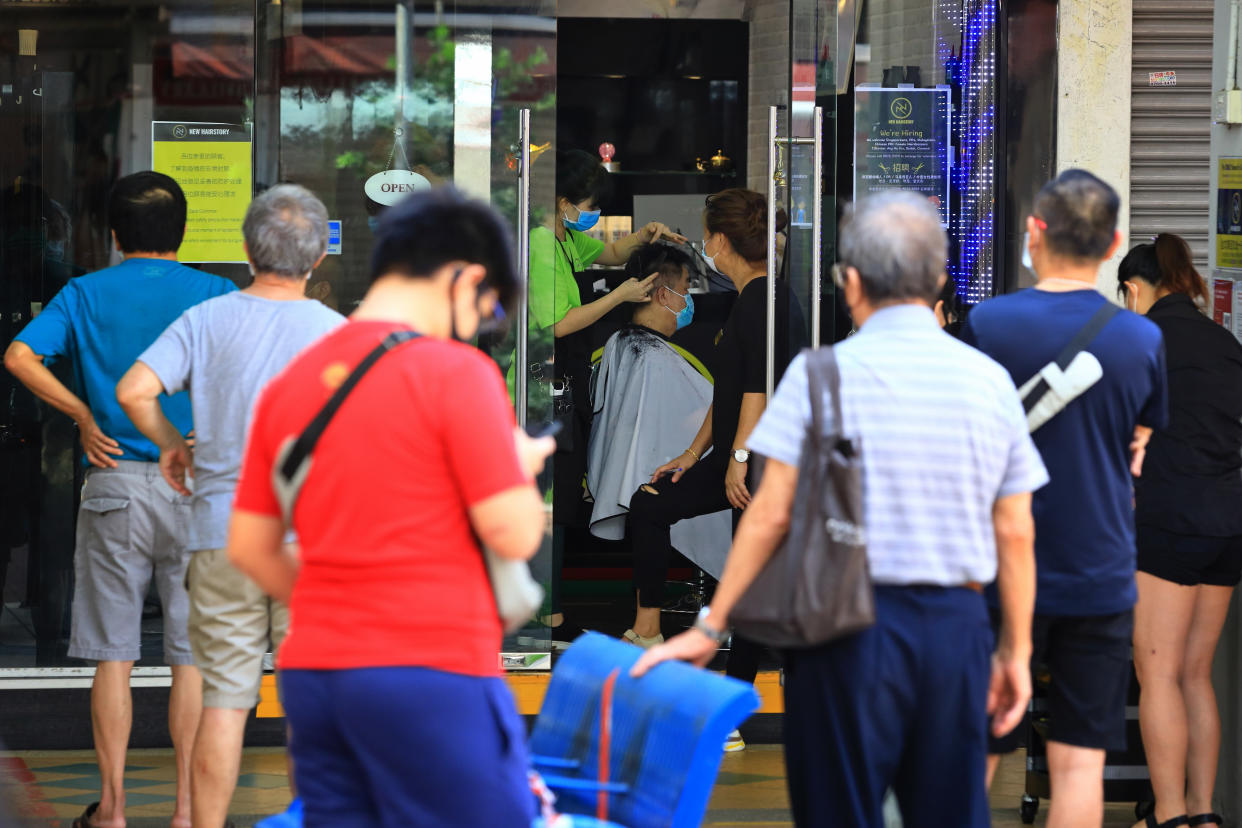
[[667, 740]]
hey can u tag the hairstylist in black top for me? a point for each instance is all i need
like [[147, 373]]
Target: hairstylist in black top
[[700, 481], [1189, 520]]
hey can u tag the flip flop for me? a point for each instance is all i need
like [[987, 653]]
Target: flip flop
[[84, 821]]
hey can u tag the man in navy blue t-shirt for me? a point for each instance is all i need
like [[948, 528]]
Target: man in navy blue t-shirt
[[131, 526], [1084, 518]]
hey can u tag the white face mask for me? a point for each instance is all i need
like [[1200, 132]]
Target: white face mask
[[711, 260], [1026, 252]]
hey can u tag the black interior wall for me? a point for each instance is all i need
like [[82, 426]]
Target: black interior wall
[[663, 92]]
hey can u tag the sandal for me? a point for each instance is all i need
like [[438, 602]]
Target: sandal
[[84, 821], [1175, 822], [1206, 819]]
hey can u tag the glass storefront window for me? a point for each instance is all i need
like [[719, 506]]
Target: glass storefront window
[[427, 92], [327, 96], [78, 94]]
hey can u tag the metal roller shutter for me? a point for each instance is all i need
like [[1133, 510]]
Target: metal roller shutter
[[1170, 126]]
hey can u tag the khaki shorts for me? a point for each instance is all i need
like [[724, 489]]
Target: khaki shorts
[[232, 625], [131, 530]]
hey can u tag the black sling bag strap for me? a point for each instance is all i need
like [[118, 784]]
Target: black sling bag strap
[[293, 461], [1089, 332], [1079, 343]]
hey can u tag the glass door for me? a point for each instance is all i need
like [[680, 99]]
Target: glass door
[[809, 167], [357, 100], [800, 182]]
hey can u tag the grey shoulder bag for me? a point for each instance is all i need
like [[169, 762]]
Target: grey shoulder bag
[[517, 594], [817, 586]]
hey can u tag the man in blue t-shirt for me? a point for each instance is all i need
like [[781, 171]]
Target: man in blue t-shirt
[[131, 525], [1084, 518]]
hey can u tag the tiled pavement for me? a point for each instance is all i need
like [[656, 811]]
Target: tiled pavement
[[50, 788]]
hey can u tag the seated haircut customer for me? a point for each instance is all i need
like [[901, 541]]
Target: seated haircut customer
[[649, 397], [942, 432], [390, 672], [223, 352], [1188, 516], [1084, 519], [699, 481], [130, 525]]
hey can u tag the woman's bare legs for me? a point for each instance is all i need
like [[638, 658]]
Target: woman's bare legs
[[1162, 621], [1203, 718]]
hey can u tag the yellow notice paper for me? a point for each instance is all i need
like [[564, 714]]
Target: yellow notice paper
[[1229, 214], [211, 162]]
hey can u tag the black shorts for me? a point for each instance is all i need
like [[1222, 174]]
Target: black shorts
[[1088, 658], [1189, 560]]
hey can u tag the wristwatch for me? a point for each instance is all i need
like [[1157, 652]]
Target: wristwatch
[[741, 455], [700, 624]]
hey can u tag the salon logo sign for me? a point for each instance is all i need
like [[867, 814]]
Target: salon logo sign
[[390, 186]]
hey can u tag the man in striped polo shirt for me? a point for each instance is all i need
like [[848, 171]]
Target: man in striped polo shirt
[[948, 473]]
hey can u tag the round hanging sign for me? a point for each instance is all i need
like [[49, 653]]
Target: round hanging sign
[[391, 186]]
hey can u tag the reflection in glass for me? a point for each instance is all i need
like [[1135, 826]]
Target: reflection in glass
[[76, 107], [333, 95]]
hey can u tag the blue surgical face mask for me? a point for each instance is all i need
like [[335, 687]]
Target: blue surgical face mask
[[686, 315], [55, 250], [585, 221], [1026, 252]]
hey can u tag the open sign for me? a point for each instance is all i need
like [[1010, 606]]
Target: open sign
[[391, 186]]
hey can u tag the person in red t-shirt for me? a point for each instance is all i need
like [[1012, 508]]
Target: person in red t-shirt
[[390, 670]]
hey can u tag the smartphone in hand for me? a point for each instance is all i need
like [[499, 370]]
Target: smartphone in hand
[[546, 430]]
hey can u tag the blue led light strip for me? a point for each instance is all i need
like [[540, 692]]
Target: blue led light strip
[[974, 72]]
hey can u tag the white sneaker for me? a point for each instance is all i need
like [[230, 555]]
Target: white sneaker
[[734, 743], [645, 643]]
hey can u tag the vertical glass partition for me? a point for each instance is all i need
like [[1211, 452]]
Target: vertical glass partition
[[362, 102], [80, 90], [815, 56]]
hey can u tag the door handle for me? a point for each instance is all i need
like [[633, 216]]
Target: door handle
[[770, 345], [521, 371], [817, 225]]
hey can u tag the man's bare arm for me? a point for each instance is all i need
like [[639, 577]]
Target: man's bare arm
[[256, 547], [138, 393], [28, 367], [1015, 581]]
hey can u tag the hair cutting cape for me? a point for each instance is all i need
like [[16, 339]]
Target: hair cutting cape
[[649, 400]]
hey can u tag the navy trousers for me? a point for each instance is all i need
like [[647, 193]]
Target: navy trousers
[[900, 705], [405, 746]]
